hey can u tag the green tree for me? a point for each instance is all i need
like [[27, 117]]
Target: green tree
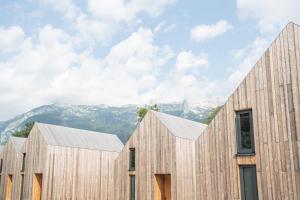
[[142, 111], [212, 115], [25, 131]]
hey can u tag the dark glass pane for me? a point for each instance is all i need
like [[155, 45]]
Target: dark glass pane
[[1, 163], [132, 159], [246, 142], [245, 132], [23, 163], [249, 183], [22, 186], [132, 187]]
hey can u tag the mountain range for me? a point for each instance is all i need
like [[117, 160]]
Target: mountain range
[[103, 118]]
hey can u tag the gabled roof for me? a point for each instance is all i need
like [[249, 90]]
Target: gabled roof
[[77, 138], [180, 127], [18, 142]]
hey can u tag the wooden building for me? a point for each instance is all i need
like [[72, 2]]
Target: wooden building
[[251, 149], [67, 163], [1, 148], [10, 168], [158, 161]]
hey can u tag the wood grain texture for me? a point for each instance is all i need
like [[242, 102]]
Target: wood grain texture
[[157, 152], [68, 173], [271, 90], [205, 168], [12, 163]]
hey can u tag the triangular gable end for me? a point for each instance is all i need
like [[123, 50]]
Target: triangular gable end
[[18, 143], [180, 127]]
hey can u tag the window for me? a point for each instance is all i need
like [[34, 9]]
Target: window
[[132, 187], [1, 165], [245, 137], [248, 182], [22, 186], [23, 162], [131, 159]]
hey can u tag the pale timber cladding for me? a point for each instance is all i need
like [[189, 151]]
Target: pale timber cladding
[[75, 164], [164, 144], [12, 156], [272, 91]]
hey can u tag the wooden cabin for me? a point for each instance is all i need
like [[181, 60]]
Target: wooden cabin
[[251, 149], [1, 164], [158, 161], [10, 168], [68, 163]]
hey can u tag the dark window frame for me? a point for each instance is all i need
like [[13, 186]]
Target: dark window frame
[[23, 162], [22, 186], [132, 159], [240, 150], [132, 187], [1, 165], [242, 181]]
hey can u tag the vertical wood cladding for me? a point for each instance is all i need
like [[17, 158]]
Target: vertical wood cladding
[[272, 90], [68, 173], [157, 152], [12, 163]]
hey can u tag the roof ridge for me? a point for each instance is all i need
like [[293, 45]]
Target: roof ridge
[[79, 138], [66, 127]]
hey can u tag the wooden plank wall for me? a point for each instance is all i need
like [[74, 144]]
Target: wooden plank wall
[[272, 91], [68, 173], [157, 152], [12, 163], [36, 157], [73, 173]]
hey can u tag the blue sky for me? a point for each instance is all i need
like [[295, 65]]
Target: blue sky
[[131, 51]]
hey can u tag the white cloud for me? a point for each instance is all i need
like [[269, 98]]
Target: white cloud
[[93, 31], [49, 70], [133, 71], [186, 81], [122, 10], [11, 39], [98, 23], [66, 7], [203, 32], [187, 60], [248, 56], [270, 14], [137, 55], [164, 27]]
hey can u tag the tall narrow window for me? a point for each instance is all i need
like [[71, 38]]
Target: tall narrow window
[[1, 165], [131, 159], [245, 137], [22, 186], [132, 187], [23, 162], [248, 182]]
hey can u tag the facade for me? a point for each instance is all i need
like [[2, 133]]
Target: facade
[[67, 163], [158, 161], [251, 149], [10, 169]]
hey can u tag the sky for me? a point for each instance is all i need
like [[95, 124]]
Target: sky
[[122, 52]]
